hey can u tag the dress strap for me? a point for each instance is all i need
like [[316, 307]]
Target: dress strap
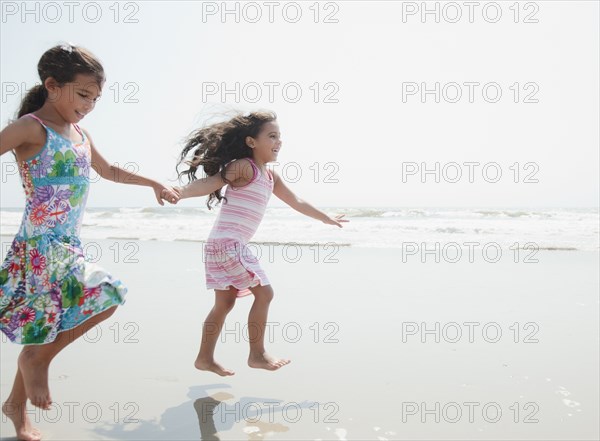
[[256, 171], [269, 175], [36, 118], [83, 137]]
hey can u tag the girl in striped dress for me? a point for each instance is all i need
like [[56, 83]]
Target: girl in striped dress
[[235, 153]]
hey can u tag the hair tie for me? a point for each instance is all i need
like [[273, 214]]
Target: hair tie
[[67, 47]]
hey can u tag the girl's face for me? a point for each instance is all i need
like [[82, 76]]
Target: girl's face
[[74, 100], [267, 144]]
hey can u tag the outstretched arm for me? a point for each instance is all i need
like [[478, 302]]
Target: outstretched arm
[[238, 172], [117, 174], [286, 195]]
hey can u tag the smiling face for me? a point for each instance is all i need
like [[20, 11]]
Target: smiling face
[[267, 143], [75, 99]]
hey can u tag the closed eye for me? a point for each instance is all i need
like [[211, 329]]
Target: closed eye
[[86, 97]]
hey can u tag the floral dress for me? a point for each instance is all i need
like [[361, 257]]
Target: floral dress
[[46, 285]]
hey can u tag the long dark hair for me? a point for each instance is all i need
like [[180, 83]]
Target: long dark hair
[[218, 144], [62, 63]]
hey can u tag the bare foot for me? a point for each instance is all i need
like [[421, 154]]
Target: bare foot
[[265, 361], [18, 415], [212, 366], [35, 377]]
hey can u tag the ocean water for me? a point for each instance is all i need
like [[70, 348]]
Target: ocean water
[[544, 229]]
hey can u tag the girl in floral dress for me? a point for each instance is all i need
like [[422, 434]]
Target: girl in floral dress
[[49, 294]]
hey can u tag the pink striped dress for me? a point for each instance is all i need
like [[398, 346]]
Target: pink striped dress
[[228, 261]]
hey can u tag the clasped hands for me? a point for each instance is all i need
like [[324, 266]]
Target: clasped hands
[[170, 194]]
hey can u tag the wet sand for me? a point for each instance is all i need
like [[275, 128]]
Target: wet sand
[[383, 346]]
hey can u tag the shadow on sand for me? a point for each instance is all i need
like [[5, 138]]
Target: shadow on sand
[[206, 415]]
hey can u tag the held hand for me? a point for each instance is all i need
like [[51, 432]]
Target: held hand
[[179, 192], [168, 194], [171, 195], [337, 220]]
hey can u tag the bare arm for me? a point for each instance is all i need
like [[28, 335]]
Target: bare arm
[[117, 174], [283, 192], [24, 136], [10, 138], [238, 172]]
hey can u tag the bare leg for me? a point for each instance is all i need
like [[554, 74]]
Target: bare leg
[[34, 360], [257, 321], [205, 361], [15, 408]]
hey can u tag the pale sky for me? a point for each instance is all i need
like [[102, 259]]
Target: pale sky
[[369, 62]]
